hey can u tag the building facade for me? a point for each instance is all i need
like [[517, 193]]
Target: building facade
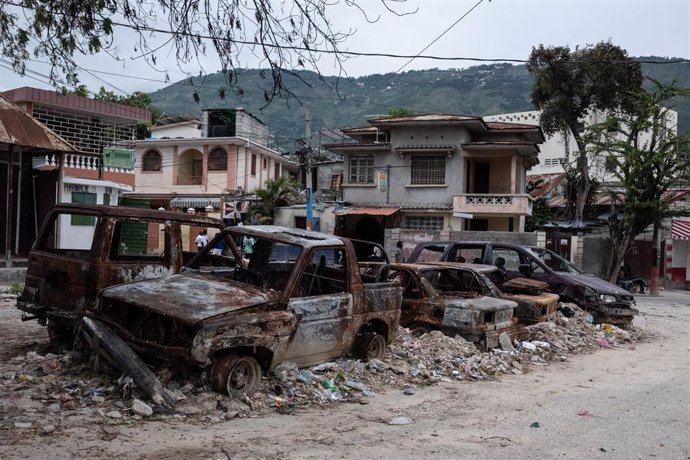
[[435, 172], [198, 172], [81, 173]]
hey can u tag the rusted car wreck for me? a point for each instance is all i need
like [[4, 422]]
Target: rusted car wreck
[[82, 249], [297, 296], [535, 303], [459, 300]]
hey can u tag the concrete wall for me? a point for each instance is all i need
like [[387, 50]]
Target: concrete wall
[[401, 191], [158, 132], [595, 255]]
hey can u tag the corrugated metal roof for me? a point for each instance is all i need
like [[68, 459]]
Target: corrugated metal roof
[[505, 125], [368, 211], [404, 206], [19, 128]]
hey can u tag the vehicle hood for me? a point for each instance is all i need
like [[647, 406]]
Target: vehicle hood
[[188, 298], [597, 284], [482, 303]]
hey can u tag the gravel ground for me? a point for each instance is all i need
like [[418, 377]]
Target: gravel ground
[[627, 401]]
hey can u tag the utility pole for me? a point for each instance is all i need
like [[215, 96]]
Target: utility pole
[[310, 200]]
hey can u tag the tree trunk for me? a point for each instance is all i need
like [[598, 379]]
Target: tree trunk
[[584, 183], [654, 270], [619, 249]]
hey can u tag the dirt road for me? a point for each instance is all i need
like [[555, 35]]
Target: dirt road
[[629, 402]]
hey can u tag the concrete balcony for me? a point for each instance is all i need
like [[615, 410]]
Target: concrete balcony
[[493, 203], [73, 161]]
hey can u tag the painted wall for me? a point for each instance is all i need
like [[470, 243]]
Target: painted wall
[[401, 191], [555, 147], [81, 236], [188, 131]]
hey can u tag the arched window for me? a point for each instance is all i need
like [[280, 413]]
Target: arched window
[[151, 161], [218, 160]]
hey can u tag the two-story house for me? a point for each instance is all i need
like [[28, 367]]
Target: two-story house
[[193, 163], [435, 172]]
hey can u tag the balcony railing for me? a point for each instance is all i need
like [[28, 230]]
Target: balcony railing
[[74, 161], [493, 203], [189, 180]]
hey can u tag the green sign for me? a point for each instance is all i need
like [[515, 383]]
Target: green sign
[[118, 158]]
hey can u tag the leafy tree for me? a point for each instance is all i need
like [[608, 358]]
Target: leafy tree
[[396, 112], [571, 83], [79, 90], [285, 34], [136, 99], [648, 159], [278, 192], [541, 213]]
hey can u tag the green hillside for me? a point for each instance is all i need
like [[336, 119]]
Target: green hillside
[[335, 103]]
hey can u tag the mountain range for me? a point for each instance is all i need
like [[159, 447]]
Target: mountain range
[[347, 101]]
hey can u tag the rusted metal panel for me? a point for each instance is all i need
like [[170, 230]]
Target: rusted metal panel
[[525, 285], [190, 297], [19, 128], [476, 312], [534, 308], [65, 283]]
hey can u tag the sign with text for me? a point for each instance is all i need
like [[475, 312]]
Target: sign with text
[[381, 181], [118, 158]]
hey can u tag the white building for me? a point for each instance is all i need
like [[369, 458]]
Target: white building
[[557, 149]]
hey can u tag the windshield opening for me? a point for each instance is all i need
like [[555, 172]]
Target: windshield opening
[[555, 262]]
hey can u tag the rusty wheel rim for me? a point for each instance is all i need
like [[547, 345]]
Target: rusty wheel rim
[[243, 376], [376, 348]]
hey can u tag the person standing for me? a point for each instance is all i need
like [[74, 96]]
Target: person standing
[[399, 257], [199, 241], [248, 246]]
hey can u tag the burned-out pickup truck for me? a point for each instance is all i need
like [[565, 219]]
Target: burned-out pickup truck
[[81, 249], [459, 300], [297, 296]]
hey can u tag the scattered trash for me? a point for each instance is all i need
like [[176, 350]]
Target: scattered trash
[[401, 421], [583, 413]]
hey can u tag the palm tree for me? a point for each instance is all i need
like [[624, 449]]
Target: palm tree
[[278, 192]]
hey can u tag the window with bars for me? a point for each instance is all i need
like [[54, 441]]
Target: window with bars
[[151, 161], [362, 170], [424, 222], [428, 170], [218, 160]]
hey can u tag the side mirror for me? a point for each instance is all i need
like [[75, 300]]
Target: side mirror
[[525, 269]]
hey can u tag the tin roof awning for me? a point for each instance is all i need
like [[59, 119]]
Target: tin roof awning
[[367, 211], [194, 202]]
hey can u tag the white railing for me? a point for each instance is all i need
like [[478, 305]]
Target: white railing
[[490, 203], [75, 161]]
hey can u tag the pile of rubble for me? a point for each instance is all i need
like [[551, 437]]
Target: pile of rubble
[[51, 391]]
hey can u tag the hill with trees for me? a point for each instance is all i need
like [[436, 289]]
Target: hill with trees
[[335, 103]]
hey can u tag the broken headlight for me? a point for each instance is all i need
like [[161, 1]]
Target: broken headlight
[[607, 298]]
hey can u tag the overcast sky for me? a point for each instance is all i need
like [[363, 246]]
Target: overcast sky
[[495, 29]]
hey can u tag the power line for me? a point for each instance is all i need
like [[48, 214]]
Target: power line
[[441, 35], [199, 36]]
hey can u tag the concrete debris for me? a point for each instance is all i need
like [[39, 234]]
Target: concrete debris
[[40, 389], [139, 407]]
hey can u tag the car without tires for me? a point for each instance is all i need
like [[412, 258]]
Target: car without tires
[[300, 296]]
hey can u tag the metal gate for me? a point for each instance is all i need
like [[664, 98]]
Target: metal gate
[[559, 243]]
